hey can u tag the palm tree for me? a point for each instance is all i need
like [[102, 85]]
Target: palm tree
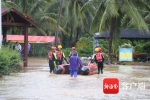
[[37, 10], [75, 24], [25, 7], [111, 13]]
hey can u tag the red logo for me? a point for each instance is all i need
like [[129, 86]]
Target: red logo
[[110, 85]]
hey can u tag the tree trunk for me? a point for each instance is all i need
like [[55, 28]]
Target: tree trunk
[[77, 35], [58, 22], [112, 28], [70, 38]]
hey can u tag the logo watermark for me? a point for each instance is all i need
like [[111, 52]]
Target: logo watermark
[[110, 85], [135, 85]]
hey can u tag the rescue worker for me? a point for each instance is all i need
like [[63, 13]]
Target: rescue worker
[[52, 59], [100, 50], [75, 63], [102, 53], [97, 57], [73, 51], [60, 55]]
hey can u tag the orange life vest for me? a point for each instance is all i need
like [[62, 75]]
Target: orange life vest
[[50, 55], [59, 55], [99, 57]]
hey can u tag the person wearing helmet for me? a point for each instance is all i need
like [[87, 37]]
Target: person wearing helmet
[[100, 50], [102, 53], [52, 59], [73, 51], [60, 56], [97, 57]]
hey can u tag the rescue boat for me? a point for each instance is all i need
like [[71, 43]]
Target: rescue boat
[[87, 69]]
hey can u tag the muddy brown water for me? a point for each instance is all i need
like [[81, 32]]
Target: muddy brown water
[[36, 83]]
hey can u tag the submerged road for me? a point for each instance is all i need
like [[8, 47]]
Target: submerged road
[[36, 83]]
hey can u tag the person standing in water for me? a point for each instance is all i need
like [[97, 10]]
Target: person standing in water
[[75, 63], [73, 51], [52, 59], [98, 58], [60, 56]]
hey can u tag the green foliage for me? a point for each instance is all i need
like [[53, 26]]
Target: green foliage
[[138, 48], [146, 47], [66, 51], [40, 50], [9, 60], [141, 46], [104, 45], [84, 46]]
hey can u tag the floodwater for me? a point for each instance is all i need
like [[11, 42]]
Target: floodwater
[[36, 83]]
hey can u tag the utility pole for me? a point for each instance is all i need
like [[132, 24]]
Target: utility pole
[[0, 25], [58, 22]]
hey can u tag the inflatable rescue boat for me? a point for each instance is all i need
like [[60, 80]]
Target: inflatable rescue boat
[[87, 69]]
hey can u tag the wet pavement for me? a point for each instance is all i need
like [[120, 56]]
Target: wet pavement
[[36, 83]]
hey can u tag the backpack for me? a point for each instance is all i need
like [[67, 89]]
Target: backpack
[[99, 57], [50, 55], [59, 55]]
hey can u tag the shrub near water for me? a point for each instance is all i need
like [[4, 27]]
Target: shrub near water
[[9, 60]]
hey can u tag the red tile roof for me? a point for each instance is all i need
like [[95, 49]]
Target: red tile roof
[[32, 39]]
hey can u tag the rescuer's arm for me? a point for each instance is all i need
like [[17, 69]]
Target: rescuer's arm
[[65, 58], [93, 58]]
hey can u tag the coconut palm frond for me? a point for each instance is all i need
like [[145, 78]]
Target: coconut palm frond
[[37, 7], [42, 32], [147, 17], [106, 15], [9, 5], [146, 4], [134, 14], [46, 19], [52, 7], [97, 18], [86, 6], [52, 22], [62, 30], [113, 7]]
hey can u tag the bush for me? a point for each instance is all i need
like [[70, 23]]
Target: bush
[[138, 48], [9, 60], [146, 47], [84, 47], [40, 50]]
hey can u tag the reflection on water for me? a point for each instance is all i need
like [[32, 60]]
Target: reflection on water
[[36, 83]]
